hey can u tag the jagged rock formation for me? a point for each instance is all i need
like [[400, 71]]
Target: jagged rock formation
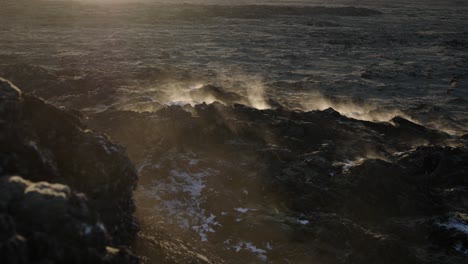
[[221, 183], [270, 185], [48, 222], [72, 201]]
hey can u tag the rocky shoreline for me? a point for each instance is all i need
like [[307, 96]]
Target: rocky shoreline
[[66, 192], [223, 182], [276, 184]]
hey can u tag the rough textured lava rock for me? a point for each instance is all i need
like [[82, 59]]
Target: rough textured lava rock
[[76, 196], [308, 187], [48, 223]]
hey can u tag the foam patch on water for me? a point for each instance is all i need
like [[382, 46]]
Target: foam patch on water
[[348, 164], [206, 227], [460, 226], [459, 247], [455, 224], [179, 198], [250, 247], [243, 210]]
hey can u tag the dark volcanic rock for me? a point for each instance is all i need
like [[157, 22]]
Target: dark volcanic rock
[[42, 143], [49, 223], [303, 186]]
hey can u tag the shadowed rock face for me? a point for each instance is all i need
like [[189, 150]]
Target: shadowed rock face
[[239, 184], [77, 198], [48, 222]]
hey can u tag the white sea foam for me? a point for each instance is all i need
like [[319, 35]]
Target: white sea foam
[[455, 224], [249, 246], [180, 196]]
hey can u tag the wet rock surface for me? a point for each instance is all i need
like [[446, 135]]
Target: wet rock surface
[[48, 223], [281, 186], [73, 201]]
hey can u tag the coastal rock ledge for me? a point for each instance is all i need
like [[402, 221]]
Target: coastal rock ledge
[[66, 193]]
